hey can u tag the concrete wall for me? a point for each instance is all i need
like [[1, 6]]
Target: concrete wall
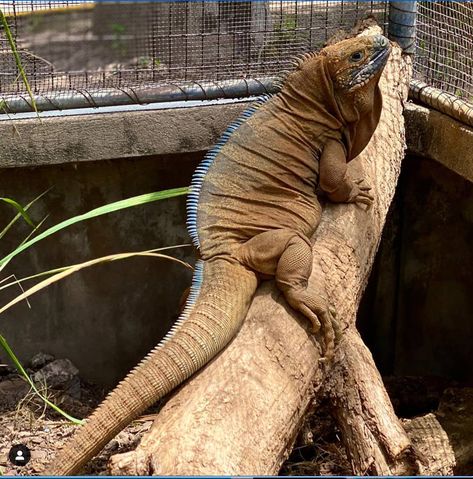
[[418, 307], [417, 311], [107, 317]]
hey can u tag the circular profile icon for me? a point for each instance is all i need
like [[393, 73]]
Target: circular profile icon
[[19, 455]]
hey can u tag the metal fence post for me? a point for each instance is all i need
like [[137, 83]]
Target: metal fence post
[[402, 24]]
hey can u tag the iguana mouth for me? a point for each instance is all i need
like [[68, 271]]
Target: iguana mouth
[[378, 59]]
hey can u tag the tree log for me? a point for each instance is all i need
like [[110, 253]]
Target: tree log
[[443, 439], [241, 414], [432, 444]]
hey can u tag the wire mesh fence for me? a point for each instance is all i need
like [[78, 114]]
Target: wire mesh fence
[[82, 46], [76, 45], [444, 50]]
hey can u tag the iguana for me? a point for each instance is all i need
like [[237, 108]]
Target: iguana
[[252, 208]]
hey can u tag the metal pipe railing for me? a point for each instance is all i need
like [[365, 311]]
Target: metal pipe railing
[[139, 96], [401, 28], [442, 101]]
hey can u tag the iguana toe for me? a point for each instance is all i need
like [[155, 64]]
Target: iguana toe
[[320, 316]]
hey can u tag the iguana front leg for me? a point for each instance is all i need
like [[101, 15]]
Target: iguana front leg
[[287, 256], [334, 179]]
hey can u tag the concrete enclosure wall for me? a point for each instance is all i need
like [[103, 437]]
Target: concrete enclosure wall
[[416, 312], [107, 317]]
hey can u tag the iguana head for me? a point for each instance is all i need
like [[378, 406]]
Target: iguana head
[[338, 88], [355, 63]]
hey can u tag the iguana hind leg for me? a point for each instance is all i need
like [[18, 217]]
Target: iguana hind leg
[[287, 255]]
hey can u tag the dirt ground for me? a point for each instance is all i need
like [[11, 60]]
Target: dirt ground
[[24, 419], [45, 435]]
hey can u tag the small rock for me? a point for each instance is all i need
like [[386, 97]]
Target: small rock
[[5, 370], [59, 374], [40, 360]]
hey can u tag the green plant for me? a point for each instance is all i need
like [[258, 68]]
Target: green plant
[[20, 210], [58, 274], [19, 367], [284, 33], [19, 214], [147, 62], [16, 55], [3, 342], [118, 28], [102, 210], [143, 62], [118, 43]]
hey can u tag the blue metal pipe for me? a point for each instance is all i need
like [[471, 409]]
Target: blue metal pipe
[[402, 24]]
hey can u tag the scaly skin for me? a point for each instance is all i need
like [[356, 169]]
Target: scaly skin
[[216, 318], [252, 211]]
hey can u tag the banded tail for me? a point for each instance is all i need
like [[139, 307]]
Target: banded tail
[[217, 305]]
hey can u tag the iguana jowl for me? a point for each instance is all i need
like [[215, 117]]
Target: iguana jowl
[[251, 211]]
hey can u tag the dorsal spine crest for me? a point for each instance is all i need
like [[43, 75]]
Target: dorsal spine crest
[[199, 174]]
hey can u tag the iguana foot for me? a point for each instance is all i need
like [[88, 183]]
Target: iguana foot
[[320, 315], [360, 193], [287, 255]]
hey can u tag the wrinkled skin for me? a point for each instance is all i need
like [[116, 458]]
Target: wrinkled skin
[[258, 205]]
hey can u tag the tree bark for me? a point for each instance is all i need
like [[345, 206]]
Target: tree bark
[[433, 445], [241, 414]]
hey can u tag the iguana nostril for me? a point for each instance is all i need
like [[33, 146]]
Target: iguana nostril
[[381, 41]]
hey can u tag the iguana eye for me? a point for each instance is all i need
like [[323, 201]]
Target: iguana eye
[[356, 57]]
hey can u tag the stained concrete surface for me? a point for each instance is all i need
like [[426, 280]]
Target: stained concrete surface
[[418, 308], [103, 319], [102, 136], [434, 135]]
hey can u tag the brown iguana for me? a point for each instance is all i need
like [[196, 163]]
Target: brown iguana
[[252, 208]]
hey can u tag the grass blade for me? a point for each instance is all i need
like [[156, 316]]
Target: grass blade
[[19, 367], [11, 41], [37, 227], [77, 267], [27, 207], [20, 210], [102, 210], [61, 274], [28, 278], [64, 268]]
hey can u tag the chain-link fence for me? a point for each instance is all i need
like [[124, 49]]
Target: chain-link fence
[[80, 47]]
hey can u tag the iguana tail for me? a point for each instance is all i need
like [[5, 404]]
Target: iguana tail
[[217, 305]]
